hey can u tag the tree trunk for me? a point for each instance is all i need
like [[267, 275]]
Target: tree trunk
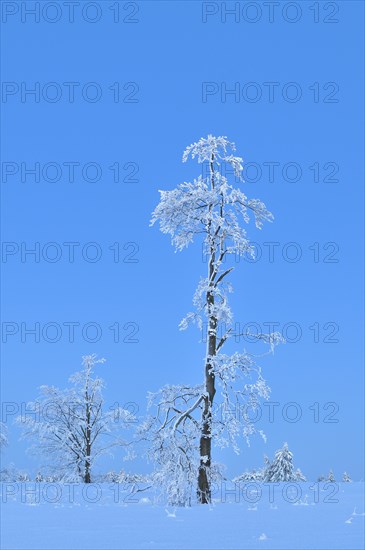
[[87, 478], [204, 484]]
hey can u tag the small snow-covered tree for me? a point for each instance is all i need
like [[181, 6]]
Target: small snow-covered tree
[[3, 436], [266, 461], [23, 477], [124, 477], [281, 468], [254, 475], [9, 473], [321, 478], [70, 427], [299, 476], [265, 468], [111, 477], [346, 478], [331, 477], [185, 421]]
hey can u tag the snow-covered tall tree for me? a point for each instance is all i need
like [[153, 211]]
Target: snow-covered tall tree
[[209, 207], [281, 468], [70, 427], [346, 478]]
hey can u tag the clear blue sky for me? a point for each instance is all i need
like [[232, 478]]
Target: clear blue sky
[[169, 53]]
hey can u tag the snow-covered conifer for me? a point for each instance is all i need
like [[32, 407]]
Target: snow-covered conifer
[[331, 477], [254, 475], [299, 475], [281, 468]]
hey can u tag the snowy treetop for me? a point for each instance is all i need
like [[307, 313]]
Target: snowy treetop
[[210, 205]]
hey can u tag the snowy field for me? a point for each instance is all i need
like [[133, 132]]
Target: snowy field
[[62, 517]]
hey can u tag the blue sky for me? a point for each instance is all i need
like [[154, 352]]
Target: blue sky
[[167, 56]]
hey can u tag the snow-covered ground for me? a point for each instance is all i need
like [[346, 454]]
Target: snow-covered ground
[[64, 517]]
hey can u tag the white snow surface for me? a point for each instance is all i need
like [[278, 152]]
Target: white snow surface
[[32, 521]]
